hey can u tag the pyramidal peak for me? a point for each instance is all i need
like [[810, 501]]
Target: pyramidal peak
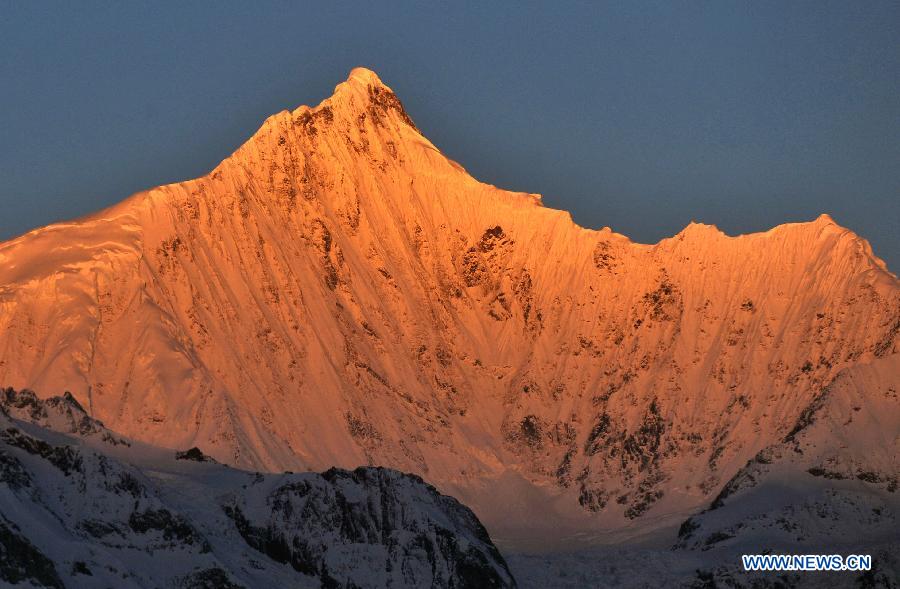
[[363, 121], [361, 100], [364, 76], [358, 90], [338, 292], [363, 95]]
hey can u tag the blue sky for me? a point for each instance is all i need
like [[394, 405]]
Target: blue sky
[[637, 115]]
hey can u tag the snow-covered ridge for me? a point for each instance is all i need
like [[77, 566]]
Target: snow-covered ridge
[[339, 293], [79, 508]]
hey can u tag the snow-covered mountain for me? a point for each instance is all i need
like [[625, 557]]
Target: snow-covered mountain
[[829, 486], [83, 507], [339, 293]]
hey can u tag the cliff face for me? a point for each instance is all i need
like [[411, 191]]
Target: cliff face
[[337, 292]]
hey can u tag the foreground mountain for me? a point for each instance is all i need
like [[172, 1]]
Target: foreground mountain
[[337, 292], [83, 507]]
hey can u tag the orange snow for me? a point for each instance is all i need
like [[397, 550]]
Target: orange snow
[[338, 292]]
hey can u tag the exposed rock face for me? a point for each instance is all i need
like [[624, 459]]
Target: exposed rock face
[[318, 524], [195, 454], [337, 292], [80, 510]]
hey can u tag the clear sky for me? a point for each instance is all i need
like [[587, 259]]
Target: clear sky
[[640, 116]]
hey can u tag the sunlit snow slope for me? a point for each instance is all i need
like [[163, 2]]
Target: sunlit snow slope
[[338, 292]]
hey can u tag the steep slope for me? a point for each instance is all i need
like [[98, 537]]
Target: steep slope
[[828, 487], [337, 292], [823, 489], [82, 507]]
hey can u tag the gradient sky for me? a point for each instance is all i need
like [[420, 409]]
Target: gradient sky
[[639, 116]]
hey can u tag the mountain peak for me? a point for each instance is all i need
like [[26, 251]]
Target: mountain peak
[[825, 219], [361, 82], [361, 97], [364, 75], [363, 91], [339, 292]]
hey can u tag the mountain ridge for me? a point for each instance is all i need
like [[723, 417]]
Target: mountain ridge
[[353, 95], [84, 507], [337, 292]]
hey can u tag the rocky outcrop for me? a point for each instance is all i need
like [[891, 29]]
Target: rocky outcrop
[[334, 525]]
